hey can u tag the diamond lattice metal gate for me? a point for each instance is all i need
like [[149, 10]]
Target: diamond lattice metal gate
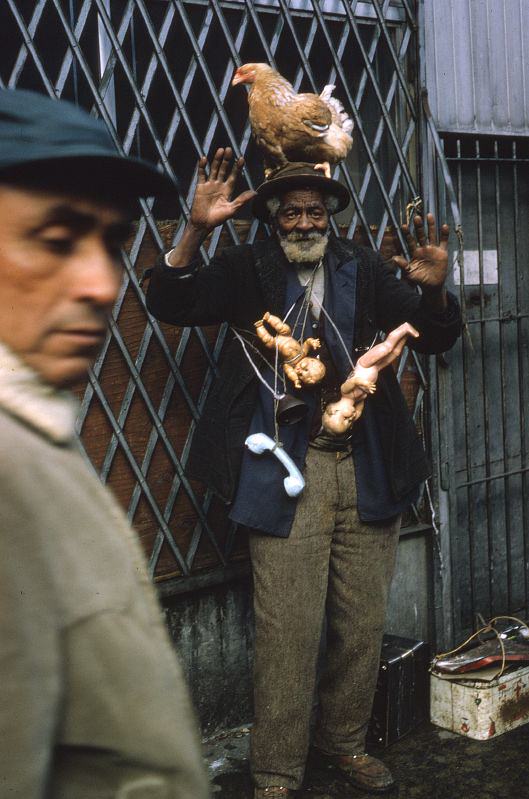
[[158, 73]]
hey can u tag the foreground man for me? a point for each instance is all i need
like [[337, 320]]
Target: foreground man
[[93, 701], [331, 553]]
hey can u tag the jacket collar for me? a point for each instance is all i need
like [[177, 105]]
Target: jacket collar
[[271, 265], [340, 301], [343, 250], [28, 398]]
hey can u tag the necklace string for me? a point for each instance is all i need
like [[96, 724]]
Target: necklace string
[[304, 309], [244, 344], [305, 304]]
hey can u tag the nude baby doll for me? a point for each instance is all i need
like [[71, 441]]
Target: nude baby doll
[[338, 417], [297, 365]]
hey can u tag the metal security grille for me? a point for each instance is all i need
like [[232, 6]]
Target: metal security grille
[[158, 73], [486, 467]]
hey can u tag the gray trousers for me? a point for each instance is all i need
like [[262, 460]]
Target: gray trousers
[[334, 566]]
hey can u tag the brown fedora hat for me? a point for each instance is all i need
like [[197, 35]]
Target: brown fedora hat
[[297, 175]]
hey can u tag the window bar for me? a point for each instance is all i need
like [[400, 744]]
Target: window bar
[[28, 42], [24, 51], [107, 78], [394, 57], [68, 63], [159, 427], [131, 386], [506, 590], [359, 126], [137, 473], [483, 365], [105, 51], [466, 356], [380, 129], [522, 399], [376, 88]]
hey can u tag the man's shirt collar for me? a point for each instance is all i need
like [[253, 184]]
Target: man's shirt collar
[[24, 395]]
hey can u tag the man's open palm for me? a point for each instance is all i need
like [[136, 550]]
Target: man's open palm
[[428, 266], [212, 204]]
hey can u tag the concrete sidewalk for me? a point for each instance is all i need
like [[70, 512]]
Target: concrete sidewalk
[[429, 763]]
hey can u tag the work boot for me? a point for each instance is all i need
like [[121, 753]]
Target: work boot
[[361, 770], [273, 792]]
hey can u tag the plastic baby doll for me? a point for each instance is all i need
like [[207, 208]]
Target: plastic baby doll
[[338, 417], [297, 365]]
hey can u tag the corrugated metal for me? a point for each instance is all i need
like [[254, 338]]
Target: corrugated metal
[[477, 65]]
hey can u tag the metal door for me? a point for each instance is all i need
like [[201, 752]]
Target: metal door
[[484, 388]]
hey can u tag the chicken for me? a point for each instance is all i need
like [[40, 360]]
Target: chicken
[[289, 126]]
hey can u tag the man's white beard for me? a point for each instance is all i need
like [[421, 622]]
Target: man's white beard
[[304, 248]]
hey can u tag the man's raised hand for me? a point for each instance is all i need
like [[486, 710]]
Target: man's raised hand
[[212, 203], [429, 256]]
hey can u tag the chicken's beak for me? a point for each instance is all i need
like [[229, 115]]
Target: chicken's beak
[[237, 78]]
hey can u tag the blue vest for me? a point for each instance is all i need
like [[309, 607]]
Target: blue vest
[[261, 501]]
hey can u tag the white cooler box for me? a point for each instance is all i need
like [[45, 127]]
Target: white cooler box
[[481, 709]]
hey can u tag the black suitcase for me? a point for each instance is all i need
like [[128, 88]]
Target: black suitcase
[[402, 695]]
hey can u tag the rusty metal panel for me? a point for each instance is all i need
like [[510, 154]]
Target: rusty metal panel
[[476, 65]]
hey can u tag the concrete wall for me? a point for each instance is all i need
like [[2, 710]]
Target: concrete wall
[[410, 608], [213, 632]]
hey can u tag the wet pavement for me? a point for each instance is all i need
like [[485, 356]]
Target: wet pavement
[[429, 763]]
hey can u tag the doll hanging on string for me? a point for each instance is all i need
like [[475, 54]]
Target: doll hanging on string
[[338, 417], [298, 366]]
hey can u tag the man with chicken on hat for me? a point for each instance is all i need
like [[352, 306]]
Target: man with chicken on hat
[[322, 559], [93, 699]]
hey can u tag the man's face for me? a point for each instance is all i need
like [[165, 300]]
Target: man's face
[[59, 277], [302, 225]]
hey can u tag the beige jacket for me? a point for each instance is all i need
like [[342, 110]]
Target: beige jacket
[[92, 699]]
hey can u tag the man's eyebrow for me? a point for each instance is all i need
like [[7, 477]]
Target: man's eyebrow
[[309, 204], [81, 222], [66, 215], [120, 230]]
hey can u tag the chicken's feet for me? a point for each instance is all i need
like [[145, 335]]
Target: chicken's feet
[[324, 167]]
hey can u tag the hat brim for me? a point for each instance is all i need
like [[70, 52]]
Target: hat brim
[[115, 176], [277, 186]]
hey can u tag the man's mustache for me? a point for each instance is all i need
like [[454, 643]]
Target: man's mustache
[[83, 316], [296, 235], [304, 247]]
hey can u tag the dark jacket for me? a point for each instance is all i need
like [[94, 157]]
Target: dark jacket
[[238, 287]]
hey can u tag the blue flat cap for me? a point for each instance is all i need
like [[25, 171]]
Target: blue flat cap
[[55, 137]]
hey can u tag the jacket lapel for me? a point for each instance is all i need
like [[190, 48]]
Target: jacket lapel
[[270, 267], [293, 294], [340, 304]]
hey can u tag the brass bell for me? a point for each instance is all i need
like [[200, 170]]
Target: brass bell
[[291, 410]]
